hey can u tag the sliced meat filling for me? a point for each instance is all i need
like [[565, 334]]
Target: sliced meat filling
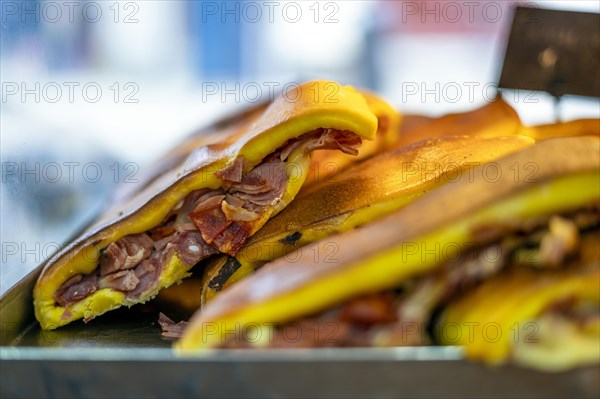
[[226, 224], [402, 317], [76, 288], [170, 329], [125, 254], [205, 223]]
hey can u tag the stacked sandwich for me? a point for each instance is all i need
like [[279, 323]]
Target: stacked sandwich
[[470, 229]]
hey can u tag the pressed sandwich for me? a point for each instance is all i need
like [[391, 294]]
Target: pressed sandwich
[[496, 118], [547, 318], [386, 280], [362, 194], [219, 197]]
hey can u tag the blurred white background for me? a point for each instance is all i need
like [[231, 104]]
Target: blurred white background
[[110, 85]]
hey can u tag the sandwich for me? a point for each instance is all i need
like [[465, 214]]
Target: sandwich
[[222, 194], [546, 319], [496, 118], [387, 280], [361, 194]]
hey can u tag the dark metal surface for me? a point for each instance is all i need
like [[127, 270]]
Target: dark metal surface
[[553, 51], [348, 373]]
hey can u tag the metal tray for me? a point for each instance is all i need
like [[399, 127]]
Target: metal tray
[[122, 354]]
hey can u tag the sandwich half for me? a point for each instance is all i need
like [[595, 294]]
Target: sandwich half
[[366, 293], [545, 318], [220, 196], [360, 195]]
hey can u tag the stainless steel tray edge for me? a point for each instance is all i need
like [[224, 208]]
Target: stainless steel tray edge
[[328, 373]]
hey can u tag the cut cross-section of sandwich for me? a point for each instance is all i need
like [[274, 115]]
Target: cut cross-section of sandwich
[[221, 195]]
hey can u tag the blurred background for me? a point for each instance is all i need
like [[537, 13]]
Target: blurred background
[[92, 91]]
